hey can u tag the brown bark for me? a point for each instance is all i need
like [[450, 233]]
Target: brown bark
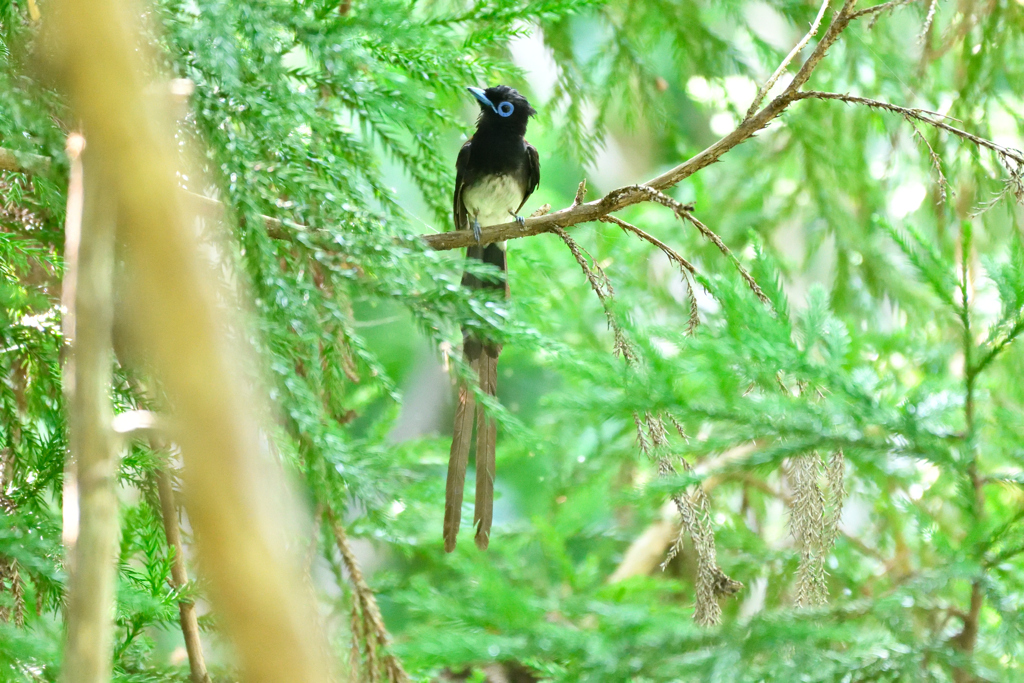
[[179, 578]]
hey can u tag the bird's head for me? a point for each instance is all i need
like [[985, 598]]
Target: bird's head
[[503, 107]]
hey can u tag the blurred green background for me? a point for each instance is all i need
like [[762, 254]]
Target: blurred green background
[[890, 252]]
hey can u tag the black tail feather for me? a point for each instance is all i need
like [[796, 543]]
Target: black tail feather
[[486, 445], [482, 357], [457, 461]]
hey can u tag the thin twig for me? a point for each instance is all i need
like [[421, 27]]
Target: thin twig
[[1011, 159], [923, 36], [602, 287], [763, 90], [917, 115], [671, 253], [581, 193], [936, 163], [683, 211], [145, 424], [996, 198], [179, 577], [367, 608], [685, 267], [878, 10]]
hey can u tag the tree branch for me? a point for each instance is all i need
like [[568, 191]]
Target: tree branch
[[365, 607], [179, 576], [147, 425], [91, 539], [763, 90], [634, 194], [878, 9], [921, 115], [602, 287], [966, 640], [671, 253], [997, 348], [23, 162], [616, 200]]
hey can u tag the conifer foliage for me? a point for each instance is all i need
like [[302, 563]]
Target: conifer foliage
[[761, 419]]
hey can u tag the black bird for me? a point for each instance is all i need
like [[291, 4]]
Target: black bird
[[496, 171]]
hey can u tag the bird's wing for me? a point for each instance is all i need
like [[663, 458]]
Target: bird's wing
[[459, 214], [532, 173]]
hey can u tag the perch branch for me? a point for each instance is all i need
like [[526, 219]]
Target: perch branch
[[616, 200]]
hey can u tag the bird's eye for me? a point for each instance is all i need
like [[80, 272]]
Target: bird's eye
[[505, 109]]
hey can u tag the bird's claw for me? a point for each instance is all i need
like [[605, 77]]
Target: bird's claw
[[519, 220], [476, 231]]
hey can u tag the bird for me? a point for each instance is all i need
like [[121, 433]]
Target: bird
[[495, 172]]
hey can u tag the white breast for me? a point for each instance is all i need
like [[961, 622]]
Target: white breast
[[492, 200]]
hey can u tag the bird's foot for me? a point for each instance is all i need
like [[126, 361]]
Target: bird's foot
[[476, 231], [518, 219]]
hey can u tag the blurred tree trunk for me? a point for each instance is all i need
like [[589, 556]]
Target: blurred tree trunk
[[178, 331]]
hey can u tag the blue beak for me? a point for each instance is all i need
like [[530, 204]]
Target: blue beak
[[479, 94]]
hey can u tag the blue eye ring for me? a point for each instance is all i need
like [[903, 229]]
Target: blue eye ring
[[504, 109]]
